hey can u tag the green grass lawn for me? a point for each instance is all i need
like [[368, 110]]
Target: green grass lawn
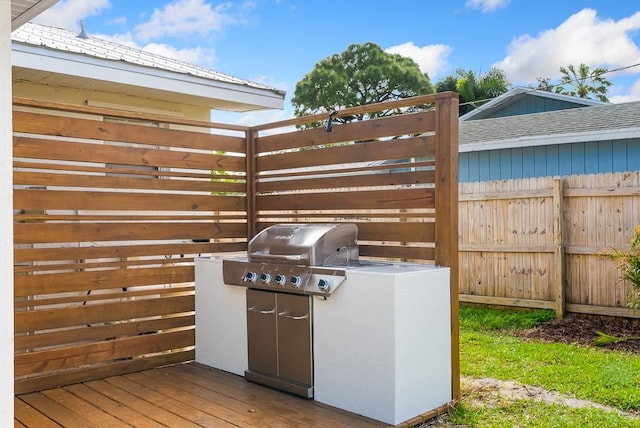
[[489, 347]]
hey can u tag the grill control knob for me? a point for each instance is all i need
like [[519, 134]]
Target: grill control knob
[[265, 277], [324, 285], [250, 277], [281, 279], [296, 281]]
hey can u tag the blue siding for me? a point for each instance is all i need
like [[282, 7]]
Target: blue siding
[[577, 159], [505, 163], [633, 154], [516, 162], [553, 160], [528, 162], [564, 159], [484, 166], [541, 161], [619, 158], [591, 157]]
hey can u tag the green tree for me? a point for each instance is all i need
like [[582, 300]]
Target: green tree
[[474, 90], [584, 82], [544, 84], [362, 74]]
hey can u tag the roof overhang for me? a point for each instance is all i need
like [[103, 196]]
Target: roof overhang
[[546, 140], [22, 11], [67, 69]]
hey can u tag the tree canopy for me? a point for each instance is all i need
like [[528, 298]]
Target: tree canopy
[[474, 90], [362, 74], [583, 82]]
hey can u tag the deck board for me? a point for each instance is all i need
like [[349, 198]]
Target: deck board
[[182, 395]]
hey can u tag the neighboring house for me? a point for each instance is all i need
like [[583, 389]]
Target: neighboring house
[[53, 64], [522, 100], [548, 137]]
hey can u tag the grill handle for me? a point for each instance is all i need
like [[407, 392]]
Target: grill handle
[[288, 257], [261, 311], [292, 317]]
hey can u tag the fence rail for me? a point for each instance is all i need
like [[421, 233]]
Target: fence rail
[[536, 242]]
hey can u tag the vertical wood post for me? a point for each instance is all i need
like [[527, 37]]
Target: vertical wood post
[[251, 167], [446, 216], [558, 256]]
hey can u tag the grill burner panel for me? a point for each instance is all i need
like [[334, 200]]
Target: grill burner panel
[[306, 258], [284, 278]]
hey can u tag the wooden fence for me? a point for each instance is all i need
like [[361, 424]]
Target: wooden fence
[[537, 242], [111, 208]]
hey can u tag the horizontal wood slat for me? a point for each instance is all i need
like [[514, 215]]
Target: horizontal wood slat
[[70, 200], [98, 352], [383, 199], [96, 313], [45, 284], [347, 181], [65, 337], [39, 148], [408, 124], [359, 152], [26, 233], [119, 251], [83, 374], [112, 182], [111, 131]]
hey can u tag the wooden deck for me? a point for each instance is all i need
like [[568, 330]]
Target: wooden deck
[[183, 395]]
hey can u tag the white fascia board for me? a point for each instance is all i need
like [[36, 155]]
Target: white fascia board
[[546, 140], [49, 60]]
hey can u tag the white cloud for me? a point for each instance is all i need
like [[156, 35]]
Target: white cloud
[[197, 55], [184, 17], [431, 59], [68, 13], [632, 95], [486, 5], [582, 38]]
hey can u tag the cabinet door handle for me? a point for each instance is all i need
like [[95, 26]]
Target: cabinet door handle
[[292, 317], [261, 311]]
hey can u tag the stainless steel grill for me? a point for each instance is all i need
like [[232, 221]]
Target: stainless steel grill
[[308, 258], [286, 265]]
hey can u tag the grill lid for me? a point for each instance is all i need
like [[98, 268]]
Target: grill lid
[[311, 244]]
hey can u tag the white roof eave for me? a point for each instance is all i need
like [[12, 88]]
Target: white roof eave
[[29, 12], [545, 140], [120, 72]]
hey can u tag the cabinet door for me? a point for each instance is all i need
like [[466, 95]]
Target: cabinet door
[[294, 338], [262, 332]]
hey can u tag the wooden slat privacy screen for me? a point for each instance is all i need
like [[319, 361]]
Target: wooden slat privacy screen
[[109, 214], [385, 183], [111, 208]]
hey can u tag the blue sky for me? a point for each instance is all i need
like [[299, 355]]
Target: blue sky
[[277, 42]]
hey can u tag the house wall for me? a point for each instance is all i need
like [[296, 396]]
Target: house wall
[[79, 97], [6, 221], [593, 157]]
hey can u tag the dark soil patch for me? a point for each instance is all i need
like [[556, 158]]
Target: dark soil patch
[[582, 330]]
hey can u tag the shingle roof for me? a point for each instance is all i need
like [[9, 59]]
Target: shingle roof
[[602, 118], [64, 40]]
